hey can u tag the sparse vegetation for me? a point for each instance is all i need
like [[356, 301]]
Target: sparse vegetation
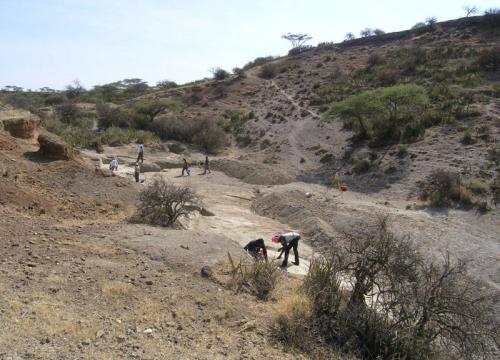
[[445, 188], [163, 203], [256, 276], [398, 305], [489, 59]]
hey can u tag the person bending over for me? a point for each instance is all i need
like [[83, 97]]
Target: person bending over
[[289, 241], [255, 247]]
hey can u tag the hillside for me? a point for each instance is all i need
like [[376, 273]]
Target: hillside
[[410, 121]]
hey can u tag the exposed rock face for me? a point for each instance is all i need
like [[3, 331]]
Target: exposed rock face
[[53, 147], [19, 123]]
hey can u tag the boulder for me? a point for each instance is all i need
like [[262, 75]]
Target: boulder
[[176, 148], [20, 124], [53, 147]]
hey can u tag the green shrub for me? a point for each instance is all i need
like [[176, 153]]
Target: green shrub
[[118, 136], [203, 132], [56, 99], [234, 122]]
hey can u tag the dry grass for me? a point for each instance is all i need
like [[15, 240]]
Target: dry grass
[[293, 322], [115, 289], [477, 186]]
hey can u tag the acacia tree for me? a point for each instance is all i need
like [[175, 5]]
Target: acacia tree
[[349, 36], [151, 108], [297, 40], [74, 89], [383, 113], [470, 10]]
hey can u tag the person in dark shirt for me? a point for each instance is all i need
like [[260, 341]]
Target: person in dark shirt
[[255, 247]]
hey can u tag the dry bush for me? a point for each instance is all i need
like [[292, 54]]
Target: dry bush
[[388, 77], [445, 188], [376, 296], [258, 277], [489, 60], [477, 186], [495, 189], [361, 166], [375, 59], [163, 203], [468, 138], [268, 71]]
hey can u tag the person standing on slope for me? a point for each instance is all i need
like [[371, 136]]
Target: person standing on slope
[[289, 241], [207, 166], [113, 165], [140, 154], [185, 167]]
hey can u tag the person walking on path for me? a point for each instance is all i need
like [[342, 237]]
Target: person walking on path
[[140, 154], [185, 167], [289, 241], [137, 171], [207, 166]]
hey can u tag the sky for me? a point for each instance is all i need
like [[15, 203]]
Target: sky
[[54, 42]]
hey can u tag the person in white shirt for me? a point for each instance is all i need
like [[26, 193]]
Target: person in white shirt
[[113, 165], [289, 241]]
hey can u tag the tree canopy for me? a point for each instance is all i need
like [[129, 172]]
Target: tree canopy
[[382, 114]]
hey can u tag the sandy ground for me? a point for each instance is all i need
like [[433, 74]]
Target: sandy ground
[[229, 200]]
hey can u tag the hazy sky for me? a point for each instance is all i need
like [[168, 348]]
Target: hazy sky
[[52, 42]]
